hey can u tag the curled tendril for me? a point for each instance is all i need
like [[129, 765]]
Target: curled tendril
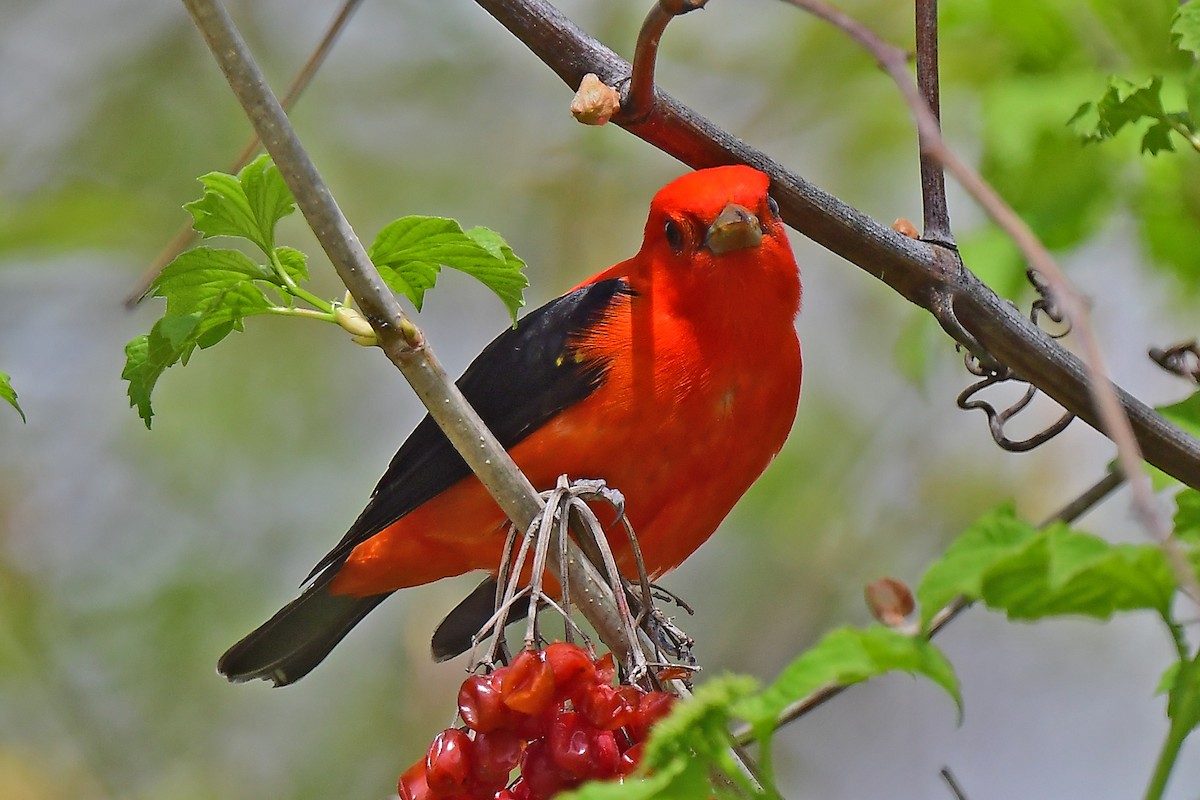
[[997, 419], [1045, 306], [1181, 359], [991, 373]]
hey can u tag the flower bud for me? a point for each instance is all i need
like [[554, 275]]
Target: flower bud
[[354, 322], [890, 601], [596, 102]]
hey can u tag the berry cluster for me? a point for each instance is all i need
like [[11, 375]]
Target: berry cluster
[[552, 714]]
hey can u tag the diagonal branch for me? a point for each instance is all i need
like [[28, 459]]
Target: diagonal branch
[[186, 233], [1112, 419], [399, 338], [933, 179], [928, 276]]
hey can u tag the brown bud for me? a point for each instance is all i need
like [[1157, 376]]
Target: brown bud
[[890, 601], [906, 228], [596, 102]]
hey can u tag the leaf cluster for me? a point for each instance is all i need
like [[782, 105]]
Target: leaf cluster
[[1125, 103], [1007, 564], [210, 292]]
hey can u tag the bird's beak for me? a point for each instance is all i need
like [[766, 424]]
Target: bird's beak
[[735, 228]]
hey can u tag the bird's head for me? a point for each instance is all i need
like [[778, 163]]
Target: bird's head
[[718, 231]]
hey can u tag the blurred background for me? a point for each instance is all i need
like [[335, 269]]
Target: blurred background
[[130, 559]]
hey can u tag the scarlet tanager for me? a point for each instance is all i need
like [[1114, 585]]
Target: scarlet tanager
[[673, 376]]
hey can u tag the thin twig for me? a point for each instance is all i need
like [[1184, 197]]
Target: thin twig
[[399, 338], [639, 98], [1089, 499], [1113, 419], [186, 234], [933, 178], [952, 784]]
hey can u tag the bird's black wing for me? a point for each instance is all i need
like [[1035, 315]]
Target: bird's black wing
[[522, 379], [519, 382]]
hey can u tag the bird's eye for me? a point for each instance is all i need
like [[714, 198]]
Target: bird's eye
[[674, 234], [771, 204]]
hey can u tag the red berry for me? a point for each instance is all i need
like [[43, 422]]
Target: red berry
[[652, 707], [570, 744], [606, 669], [506, 794], [412, 785], [630, 759], [572, 668], [481, 704], [528, 684], [606, 754], [581, 750], [607, 707], [541, 777], [448, 762], [493, 757]]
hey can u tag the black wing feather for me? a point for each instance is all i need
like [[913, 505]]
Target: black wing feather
[[520, 381]]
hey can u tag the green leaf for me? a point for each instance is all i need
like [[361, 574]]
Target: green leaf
[[1185, 27], [962, 569], [1187, 517], [192, 281], [1185, 414], [246, 205], [9, 395], [148, 356], [1157, 138], [410, 252], [294, 262], [653, 787], [682, 750], [508, 282], [844, 657], [699, 725], [1183, 701], [1031, 574], [1123, 103], [1167, 682], [194, 323]]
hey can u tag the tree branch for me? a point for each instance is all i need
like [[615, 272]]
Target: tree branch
[[186, 233], [933, 178], [399, 338], [926, 275]]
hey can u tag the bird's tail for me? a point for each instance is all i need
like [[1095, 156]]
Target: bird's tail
[[286, 647]]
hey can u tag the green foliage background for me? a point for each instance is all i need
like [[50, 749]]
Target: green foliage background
[[129, 560]]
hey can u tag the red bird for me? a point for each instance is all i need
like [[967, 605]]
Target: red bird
[[674, 376]]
